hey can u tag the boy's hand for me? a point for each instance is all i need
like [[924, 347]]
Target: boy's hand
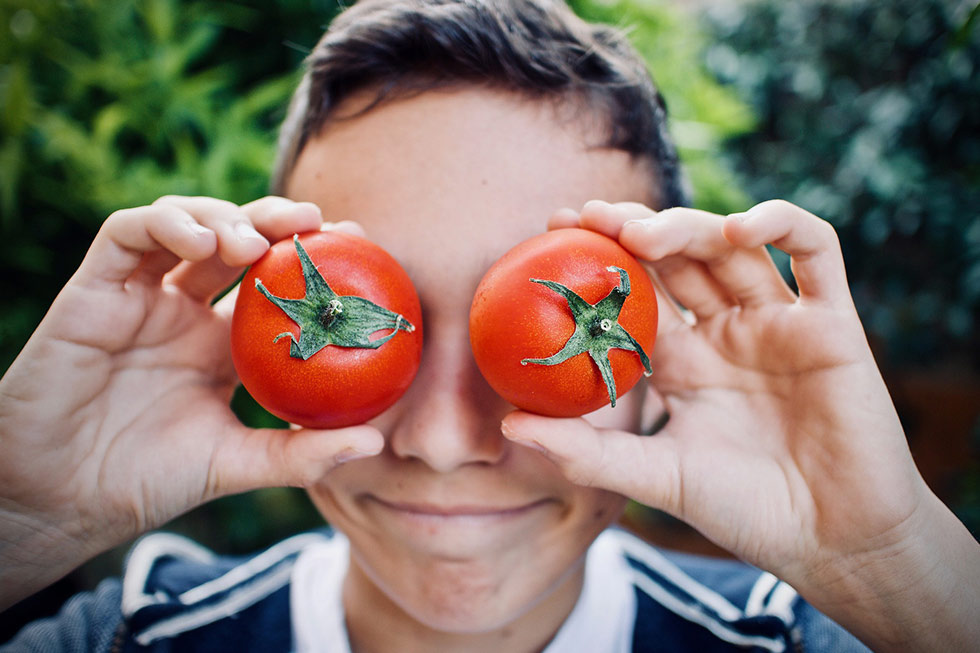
[[782, 443], [115, 416]]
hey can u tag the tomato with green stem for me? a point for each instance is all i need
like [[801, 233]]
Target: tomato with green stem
[[563, 323], [327, 330]]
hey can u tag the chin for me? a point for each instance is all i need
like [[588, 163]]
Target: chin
[[457, 598], [464, 618]]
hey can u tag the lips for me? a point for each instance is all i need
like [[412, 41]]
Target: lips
[[424, 509]]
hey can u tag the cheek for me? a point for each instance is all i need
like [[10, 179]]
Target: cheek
[[598, 509], [333, 495], [321, 498]]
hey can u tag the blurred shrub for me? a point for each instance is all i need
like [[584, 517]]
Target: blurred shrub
[[112, 104], [703, 113], [869, 116]]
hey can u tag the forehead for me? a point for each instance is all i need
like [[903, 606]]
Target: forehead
[[449, 176]]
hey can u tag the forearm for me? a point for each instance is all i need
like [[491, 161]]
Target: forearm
[[921, 595]]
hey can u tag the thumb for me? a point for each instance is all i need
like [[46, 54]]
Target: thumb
[[256, 458], [643, 468]]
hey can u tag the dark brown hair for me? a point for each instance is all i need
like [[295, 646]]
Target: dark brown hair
[[538, 48]]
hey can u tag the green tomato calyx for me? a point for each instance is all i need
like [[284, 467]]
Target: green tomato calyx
[[326, 318], [597, 330]]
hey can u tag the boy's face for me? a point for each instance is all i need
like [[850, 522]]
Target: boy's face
[[451, 524]]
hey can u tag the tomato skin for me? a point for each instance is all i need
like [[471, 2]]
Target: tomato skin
[[337, 386], [512, 319]]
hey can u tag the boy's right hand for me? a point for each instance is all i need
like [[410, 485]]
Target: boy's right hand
[[115, 417]]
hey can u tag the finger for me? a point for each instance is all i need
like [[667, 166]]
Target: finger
[[346, 226], [563, 219], [257, 458], [686, 284], [609, 218], [670, 314], [689, 281], [642, 468], [155, 265], [275, 218], [812, 244], [598, 215], [727, 273], [205, 280], [278, 217], [692, 285], [238, 242], [127, 235]]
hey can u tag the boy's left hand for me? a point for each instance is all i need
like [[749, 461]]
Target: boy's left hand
[[782, 443]]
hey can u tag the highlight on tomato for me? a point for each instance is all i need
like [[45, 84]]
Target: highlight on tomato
[[563, 323], [327, 330]]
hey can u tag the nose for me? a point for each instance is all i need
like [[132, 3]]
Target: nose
[[450, 416]]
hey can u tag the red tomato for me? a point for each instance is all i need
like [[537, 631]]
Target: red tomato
[[360, 330], [517, 322]]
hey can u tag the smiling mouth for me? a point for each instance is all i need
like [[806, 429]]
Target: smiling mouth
[[427, 510]]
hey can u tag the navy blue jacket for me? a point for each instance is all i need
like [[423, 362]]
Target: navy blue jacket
[[181, 597]]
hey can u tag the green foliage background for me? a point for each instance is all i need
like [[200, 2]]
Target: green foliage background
[[869, 116], [863, 112], [112, 104]]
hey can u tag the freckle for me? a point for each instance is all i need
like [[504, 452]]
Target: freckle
[[483, 182], [599, 514], [506, 633]]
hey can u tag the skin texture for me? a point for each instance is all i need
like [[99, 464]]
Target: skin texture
[[337, 386], [469, 521], [513, 319]]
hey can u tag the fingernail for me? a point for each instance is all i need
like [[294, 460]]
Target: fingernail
[[197, 228], [595, 204], [352, 454], [644, 223], [508, 433], [245, 231], [310, 206], [738, 217]]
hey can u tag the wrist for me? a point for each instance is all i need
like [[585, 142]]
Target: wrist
[[919, 592], [34, 554]]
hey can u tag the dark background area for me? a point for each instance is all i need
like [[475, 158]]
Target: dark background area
[[864, 112]]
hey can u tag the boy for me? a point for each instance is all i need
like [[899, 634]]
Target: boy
[[448, 132]]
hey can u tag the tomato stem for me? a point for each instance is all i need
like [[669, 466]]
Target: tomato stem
[[325, 318], [597, 330]]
